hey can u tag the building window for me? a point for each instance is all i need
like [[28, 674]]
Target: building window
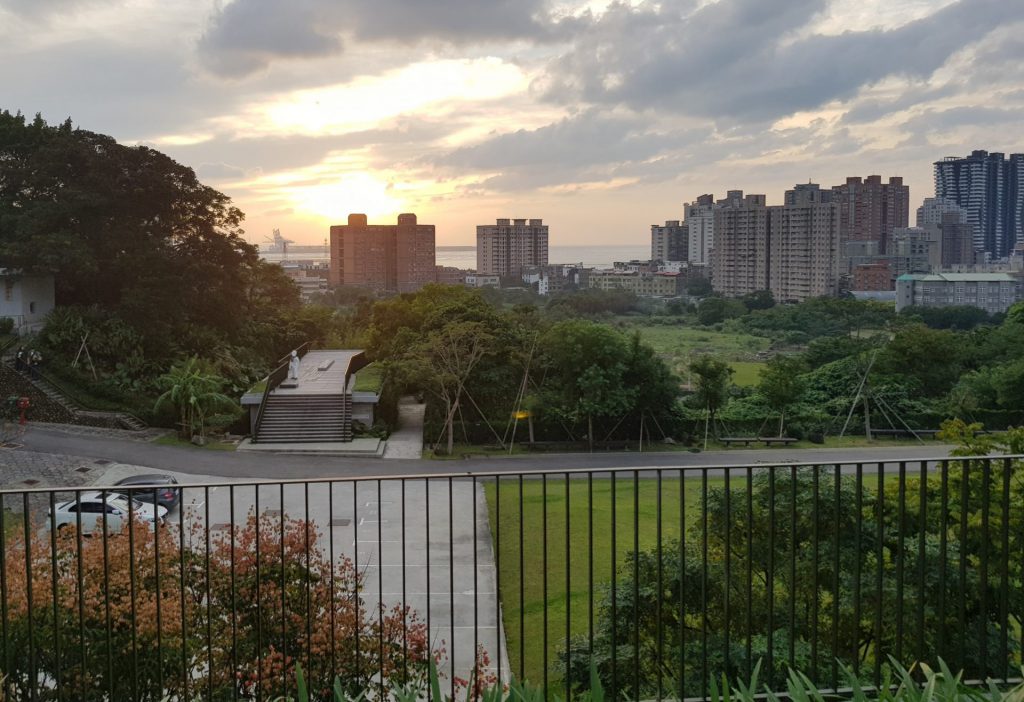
[[8, 290]]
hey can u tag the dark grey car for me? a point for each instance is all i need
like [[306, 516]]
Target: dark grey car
[[164, 487]]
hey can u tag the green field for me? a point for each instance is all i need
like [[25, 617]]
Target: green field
[[679, 345], [370, 378], [576, 594]]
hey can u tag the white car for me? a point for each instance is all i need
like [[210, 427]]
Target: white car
[[91, 506]]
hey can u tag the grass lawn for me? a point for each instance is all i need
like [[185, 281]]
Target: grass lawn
[[746, 373], [577, 597], [679, 345], [636, 515], [369, 379]]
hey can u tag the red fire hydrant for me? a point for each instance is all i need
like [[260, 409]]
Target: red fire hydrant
[[23, 405]]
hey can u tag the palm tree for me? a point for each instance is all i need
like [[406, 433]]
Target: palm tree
[[194, 394]]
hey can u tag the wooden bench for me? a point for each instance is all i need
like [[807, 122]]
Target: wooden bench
[[784, 440], [745, 440]]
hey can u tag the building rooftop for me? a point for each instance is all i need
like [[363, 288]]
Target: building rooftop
[[961, 277]]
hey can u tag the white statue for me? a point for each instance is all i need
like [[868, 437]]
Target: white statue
[[293, 366]]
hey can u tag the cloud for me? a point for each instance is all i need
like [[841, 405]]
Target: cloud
[[745, 60], [247, 35]]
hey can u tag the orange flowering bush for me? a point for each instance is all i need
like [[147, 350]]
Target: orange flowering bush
[[143, 615]]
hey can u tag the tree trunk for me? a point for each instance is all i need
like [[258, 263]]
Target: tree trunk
[[782, 419], [451, 427], [529, 426], [590, 432], [867, 416]]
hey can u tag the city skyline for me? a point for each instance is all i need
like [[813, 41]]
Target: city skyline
[[600, 117]]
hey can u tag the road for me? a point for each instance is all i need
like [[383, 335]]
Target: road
[[255, 466]]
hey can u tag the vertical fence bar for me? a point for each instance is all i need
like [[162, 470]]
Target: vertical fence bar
[[309, 599], [33, 679], [3, 588], [636, 585], [1004, 566], [544, 573], [879, 546], [476, 588], [80, 582], [792, 566], [405, 601], [380, 586], [813, 624], [498, 623], [901, 530], [451, 582], [660, 650], [922, 525], [983, 619], [131, 590], [614, 598], [858, 560], [727, 589], [234, 603], [284, 606], [943, 560], [568, 583], [259, 597], [750, 572], [964, 499], [209, 612], [681, 674], [590, 564], [159, 594], [58, 670], [836, 591], [704, 582], [182, 581], [522, 589], [355, 565], [770, 580]]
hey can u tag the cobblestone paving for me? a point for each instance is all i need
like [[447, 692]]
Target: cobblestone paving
[[23, 470], [123, 434]]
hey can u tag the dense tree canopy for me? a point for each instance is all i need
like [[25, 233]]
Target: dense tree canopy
[[137, 244]]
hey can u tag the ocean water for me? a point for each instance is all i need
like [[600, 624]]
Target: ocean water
[[465, 256], [589, 256]]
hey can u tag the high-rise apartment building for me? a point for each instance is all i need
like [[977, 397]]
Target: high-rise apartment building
[[397, 258], [700, 228], [739, 259], [990, 189], [792, 250], [869, 209], [803, 254], [511, 245], [669, 242], [931, 211]]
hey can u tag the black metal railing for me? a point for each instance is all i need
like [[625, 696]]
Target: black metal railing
[[661, 578], [272, 381]]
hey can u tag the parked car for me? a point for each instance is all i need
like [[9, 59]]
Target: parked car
[[92, 507], [166, 495]]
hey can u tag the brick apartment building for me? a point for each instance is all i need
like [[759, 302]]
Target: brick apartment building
[[393, 257]]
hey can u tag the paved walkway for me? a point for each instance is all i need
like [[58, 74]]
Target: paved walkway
[[407, 442]]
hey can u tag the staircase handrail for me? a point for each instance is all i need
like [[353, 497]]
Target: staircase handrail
[[273, 380]]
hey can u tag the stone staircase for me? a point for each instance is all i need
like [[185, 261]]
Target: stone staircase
[[289, 418], [119, 420]]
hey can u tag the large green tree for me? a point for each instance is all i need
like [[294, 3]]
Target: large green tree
[[129, 232]]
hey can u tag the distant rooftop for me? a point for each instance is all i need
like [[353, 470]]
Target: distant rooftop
[[960, 277]]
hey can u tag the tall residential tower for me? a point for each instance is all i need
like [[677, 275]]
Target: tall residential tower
[[511, 245], [398, 258]]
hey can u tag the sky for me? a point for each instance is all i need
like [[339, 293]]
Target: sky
[[600, 117]]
